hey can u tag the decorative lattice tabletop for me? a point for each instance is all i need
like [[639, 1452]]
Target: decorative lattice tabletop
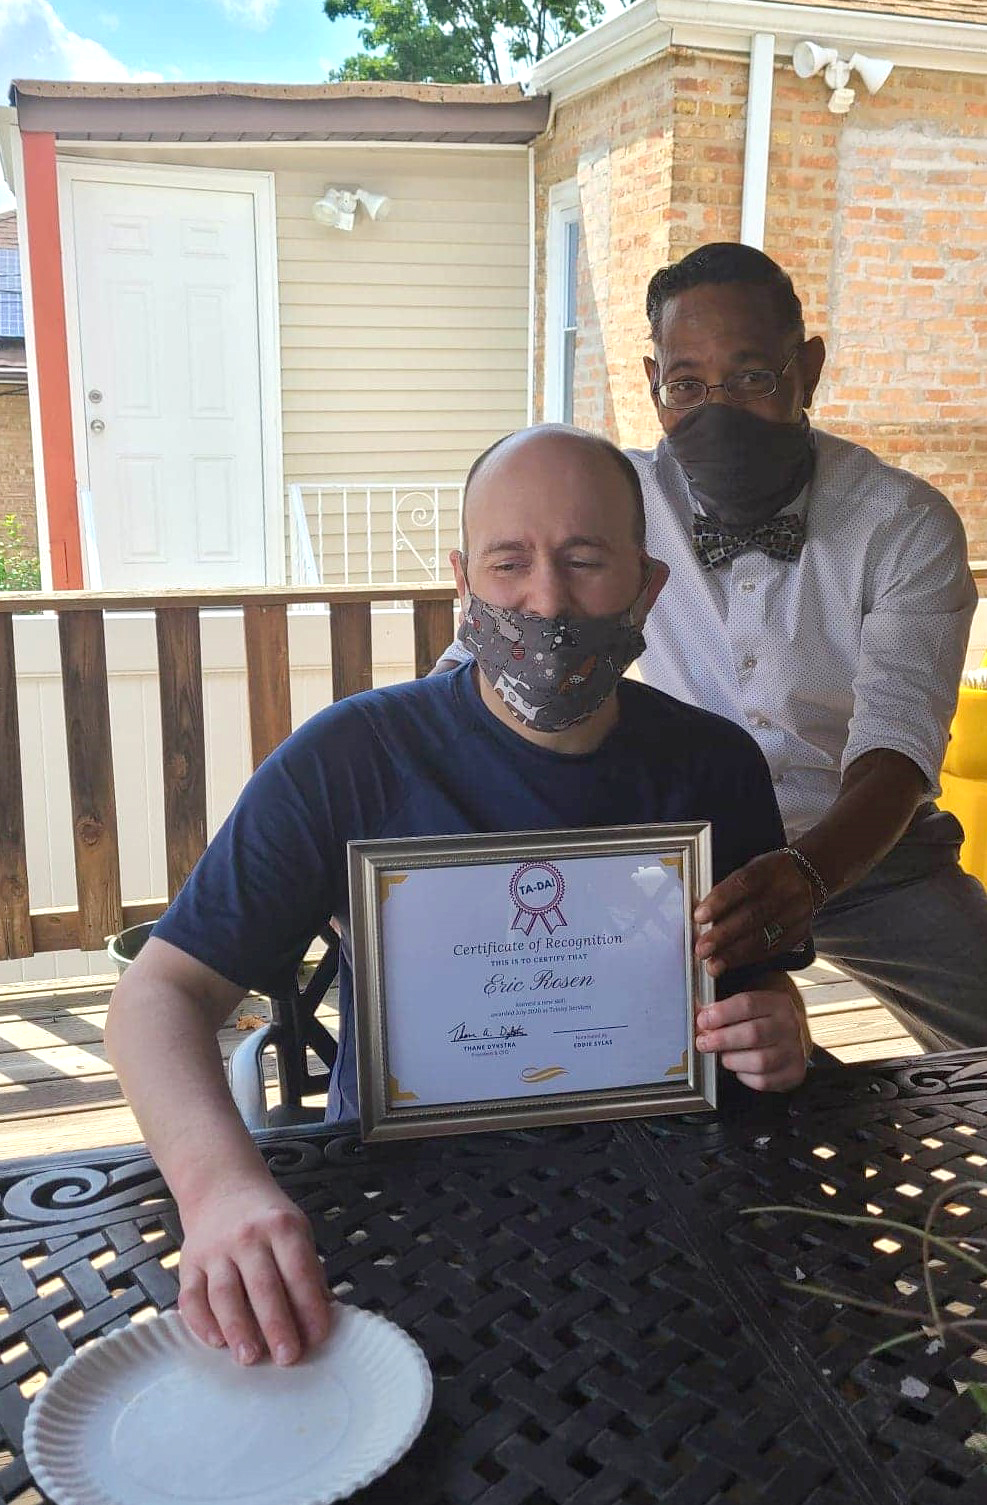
[[603, 1322]]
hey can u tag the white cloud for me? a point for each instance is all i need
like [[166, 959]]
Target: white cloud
[[36, 43], [256, 13]]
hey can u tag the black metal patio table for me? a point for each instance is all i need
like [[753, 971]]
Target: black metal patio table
[[603, 1322]]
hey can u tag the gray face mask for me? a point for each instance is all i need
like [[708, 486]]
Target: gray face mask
[[741, 468], [551, 672]]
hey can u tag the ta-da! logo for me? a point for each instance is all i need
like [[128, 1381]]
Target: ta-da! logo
[[537, 890]]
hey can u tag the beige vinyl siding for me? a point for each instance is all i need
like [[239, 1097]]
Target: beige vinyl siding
[[404, 342]]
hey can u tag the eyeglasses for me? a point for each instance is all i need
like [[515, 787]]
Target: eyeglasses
[[743, 386]]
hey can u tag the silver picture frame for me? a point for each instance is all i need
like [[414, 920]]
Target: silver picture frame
[[374, 866]]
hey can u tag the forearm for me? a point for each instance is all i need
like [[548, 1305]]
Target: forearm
[[250, 1275], [162, 1044], [879, 795]]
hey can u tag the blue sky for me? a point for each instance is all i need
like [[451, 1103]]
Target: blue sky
[[277, 41], [265, 41]]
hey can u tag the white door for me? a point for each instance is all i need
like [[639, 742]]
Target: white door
[[168, 326]]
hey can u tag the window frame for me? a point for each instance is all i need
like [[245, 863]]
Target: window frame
[[563, 211]]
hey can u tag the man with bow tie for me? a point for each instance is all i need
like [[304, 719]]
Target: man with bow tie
[[821, 599]]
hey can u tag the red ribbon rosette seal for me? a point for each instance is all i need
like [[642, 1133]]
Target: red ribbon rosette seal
[[537, 889]]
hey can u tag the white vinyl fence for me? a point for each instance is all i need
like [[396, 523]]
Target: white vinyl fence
[[136, 723]]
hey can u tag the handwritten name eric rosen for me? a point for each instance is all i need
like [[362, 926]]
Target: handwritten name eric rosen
[[542, 982]]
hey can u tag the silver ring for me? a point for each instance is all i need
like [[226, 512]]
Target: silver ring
[[773, 933]]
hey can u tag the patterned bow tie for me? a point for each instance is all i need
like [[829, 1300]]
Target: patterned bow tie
[[781, 538]]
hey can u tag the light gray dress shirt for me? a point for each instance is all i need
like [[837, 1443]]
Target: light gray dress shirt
[[857, 645]]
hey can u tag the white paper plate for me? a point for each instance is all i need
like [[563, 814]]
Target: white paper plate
[[151, 1416]]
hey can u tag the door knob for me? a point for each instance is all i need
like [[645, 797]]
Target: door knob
[[97, 425]]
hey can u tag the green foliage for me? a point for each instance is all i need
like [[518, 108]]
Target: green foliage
[[457, 41], [19, 568]]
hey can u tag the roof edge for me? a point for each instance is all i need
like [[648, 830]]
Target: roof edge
[[493, 113], [626, 41], [648, 27], [485, 94]]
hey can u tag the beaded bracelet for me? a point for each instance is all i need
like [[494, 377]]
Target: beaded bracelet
[[815, 882]]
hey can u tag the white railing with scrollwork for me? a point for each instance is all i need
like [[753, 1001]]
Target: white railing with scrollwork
[[374, 533]]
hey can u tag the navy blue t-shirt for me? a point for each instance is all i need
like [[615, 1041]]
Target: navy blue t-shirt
[[428, 759]]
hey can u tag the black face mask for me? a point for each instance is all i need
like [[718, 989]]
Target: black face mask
[[742, 469]]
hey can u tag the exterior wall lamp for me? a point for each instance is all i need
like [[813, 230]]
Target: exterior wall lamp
[[338, 206], [808, 59]]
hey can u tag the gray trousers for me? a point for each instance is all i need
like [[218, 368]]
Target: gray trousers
[[914, 931]]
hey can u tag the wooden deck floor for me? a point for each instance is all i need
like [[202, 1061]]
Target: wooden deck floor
[[58, 1092]]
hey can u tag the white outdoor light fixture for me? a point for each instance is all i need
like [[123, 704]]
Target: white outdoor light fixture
[[808, 59], [378, 205], [337, 206]]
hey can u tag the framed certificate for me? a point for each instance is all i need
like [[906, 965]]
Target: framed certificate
[[525, 978]]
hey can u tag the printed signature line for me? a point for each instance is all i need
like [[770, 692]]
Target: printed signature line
[[590, 1029]]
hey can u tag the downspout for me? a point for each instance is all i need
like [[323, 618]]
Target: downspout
[[757, 147], [532, 290]]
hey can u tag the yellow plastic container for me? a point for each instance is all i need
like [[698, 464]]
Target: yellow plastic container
[[964, 773]]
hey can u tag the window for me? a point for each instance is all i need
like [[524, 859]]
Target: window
[[561, 301], [570, 260]]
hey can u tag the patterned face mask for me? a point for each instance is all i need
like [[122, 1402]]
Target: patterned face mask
[[551, 672]]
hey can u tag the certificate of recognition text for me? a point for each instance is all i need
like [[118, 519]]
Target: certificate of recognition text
[[533, 978]]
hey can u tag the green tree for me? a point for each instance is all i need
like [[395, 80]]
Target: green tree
[[457, 41], [19, 568]]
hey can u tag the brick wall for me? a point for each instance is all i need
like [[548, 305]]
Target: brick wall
[[710, 105], [16, 469], [879, 215], [617, 143]]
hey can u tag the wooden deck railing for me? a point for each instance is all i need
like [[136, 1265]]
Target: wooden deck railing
[[99, 911]]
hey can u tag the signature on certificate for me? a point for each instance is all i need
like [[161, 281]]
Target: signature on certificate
[[504, 1032]]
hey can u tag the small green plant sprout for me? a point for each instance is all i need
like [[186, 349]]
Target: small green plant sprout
[[930, 1322]]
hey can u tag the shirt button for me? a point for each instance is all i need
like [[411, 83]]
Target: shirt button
[[779, 778], [761, 721], [747, 585], [750, 662]]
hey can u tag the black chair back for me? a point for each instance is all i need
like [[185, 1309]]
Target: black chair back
[[298, 1030]]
